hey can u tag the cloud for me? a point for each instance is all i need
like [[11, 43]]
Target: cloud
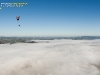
[[58, 57]]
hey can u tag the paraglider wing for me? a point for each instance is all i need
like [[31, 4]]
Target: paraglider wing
[[17, 17]]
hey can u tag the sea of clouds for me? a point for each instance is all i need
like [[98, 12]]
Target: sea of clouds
[[55, 57]]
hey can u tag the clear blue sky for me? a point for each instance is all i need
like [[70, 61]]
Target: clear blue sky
[[51, 18]]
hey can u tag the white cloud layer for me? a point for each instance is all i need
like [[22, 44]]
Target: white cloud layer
[[55, 57]]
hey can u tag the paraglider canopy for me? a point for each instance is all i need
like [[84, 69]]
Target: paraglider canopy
[[17, 17]]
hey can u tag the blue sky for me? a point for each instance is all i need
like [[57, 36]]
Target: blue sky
[[51, 18]]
